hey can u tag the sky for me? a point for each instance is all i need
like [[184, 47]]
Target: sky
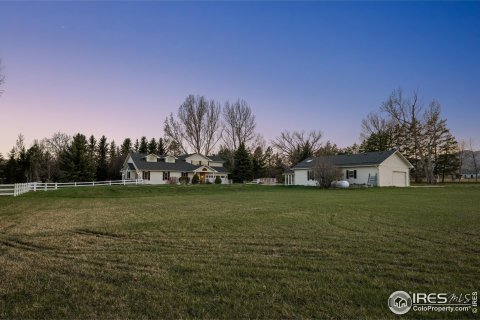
[[119, 68]]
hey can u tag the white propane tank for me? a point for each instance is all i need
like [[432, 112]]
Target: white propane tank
[[342, 184]]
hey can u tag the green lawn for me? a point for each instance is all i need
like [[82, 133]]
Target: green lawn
[[234, 251]]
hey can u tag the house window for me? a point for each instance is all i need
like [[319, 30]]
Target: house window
[[146, 175], [128, 175], [184, 174], [310, 175], [166, 175], [199, 163], [352, 174]]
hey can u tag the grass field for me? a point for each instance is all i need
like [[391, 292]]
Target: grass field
[[234, 251]]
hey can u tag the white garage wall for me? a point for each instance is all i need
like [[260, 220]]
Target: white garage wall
[[391, 164], [362, 174]]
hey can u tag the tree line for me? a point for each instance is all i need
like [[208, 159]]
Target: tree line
[[206, 126]]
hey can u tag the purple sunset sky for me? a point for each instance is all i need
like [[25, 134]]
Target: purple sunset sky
[[119, 68]]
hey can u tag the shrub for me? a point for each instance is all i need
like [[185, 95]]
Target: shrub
[[173, 180], [208, 182], [184, 180], [196, 179], [218, 180]]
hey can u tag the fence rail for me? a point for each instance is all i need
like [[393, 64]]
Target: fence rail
[[16, 189]]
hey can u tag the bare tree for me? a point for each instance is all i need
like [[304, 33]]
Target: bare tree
[[197, 126], [297, 145], [174, 133], [374, 123], [406, 112], [474, 159], [239, 124], [57, 143], [325, 171]]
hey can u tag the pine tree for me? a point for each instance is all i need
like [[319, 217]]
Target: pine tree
[[102, 164], [92, 154], [75, 161], [243, 165], [258, 163], [161, 147], [143, 148], [126, 147], [136, 146], [152, 146]]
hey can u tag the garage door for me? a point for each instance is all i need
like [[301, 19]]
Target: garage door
[[399, 179]]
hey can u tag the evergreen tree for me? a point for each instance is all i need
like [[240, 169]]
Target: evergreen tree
[[228, 156], [243, 165], [143, 147], [152, 146], [126, 147], [2, 164], [92, 155], [11, 170], [161, 147], [75, 161], [258, 163], [136, 146], [102, 164]]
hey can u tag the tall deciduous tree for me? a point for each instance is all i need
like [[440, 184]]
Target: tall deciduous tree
[[239, 124], [197, 125], [297, 145]]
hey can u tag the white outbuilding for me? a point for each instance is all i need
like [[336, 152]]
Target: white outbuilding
[[382, 169]]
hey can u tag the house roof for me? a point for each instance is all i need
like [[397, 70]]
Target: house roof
[[179, 165], [215, 158], [344, 160]]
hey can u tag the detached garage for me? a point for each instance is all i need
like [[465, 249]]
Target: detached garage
[[382, 169]]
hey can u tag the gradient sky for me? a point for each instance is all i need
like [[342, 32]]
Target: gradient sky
[[118, 68]]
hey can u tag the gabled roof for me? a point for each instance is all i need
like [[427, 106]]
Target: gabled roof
[[214, 158], [179, 165], [345, 160]]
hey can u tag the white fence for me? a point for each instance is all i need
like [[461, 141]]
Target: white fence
[[17, 189]]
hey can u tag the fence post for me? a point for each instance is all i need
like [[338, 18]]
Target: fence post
[[75, 183], [15, 190], [93, 183], [124, 182], [34, 187], [136, 181], [110, 182], [56, 186]]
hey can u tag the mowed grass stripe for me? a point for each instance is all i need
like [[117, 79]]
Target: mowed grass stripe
[[233, 251]]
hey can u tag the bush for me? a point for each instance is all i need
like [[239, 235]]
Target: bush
[[218, 180], [184, 180], [196, 179], [173, 180], [208, 182]]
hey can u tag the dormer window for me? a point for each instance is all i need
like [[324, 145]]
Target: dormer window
[[169, 159], [151, 158]]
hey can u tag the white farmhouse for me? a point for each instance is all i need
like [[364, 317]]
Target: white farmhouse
[[382, 169], [154, 169]]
